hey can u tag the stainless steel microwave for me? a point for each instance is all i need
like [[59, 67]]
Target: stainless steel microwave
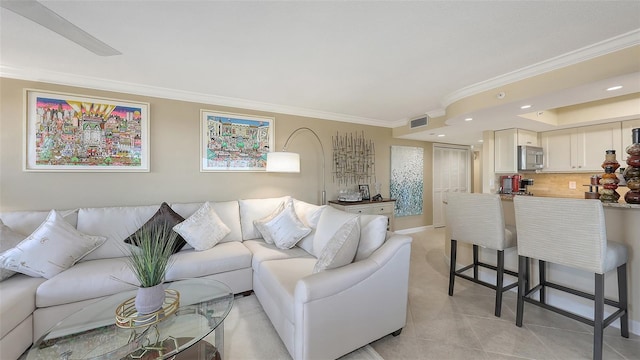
[[530, 158]]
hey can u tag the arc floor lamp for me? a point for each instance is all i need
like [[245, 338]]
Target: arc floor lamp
[[289, 162]]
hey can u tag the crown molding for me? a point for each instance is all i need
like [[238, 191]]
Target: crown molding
[[60, 78], [604, 47]]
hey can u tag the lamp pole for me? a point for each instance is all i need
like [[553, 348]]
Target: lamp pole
[[284, 148]]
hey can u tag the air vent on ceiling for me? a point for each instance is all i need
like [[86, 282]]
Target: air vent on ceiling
[[421, 121]]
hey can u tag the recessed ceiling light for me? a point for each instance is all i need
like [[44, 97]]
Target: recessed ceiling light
[[617, 87], [440, 135], [468, 119], [525, 107], [480, 141]]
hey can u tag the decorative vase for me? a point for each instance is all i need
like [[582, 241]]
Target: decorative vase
[[632, 172], [149, 299], [609, 182], [610, 160]]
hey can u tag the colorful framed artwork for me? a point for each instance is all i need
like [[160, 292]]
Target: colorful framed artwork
[[67, 132], [234, 142]]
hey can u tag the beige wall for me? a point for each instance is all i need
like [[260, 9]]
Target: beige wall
[[174, 150]]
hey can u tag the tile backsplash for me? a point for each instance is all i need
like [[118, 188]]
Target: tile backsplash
[[557, 185]]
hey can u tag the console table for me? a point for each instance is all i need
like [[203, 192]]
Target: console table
[[385, 207]]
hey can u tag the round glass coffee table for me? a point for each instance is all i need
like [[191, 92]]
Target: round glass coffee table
[[91, 333]]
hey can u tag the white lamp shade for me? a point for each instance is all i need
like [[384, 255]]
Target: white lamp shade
[[283, 162]]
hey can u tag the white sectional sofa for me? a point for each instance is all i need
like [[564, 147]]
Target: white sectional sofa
[[318, 315]]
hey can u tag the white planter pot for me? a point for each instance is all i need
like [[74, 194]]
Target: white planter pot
[[150, 299]]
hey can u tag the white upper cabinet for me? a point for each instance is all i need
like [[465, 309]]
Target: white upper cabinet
[[627, 126], [580, 149], [506, 148]]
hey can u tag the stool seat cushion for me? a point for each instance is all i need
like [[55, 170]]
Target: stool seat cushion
[[510, 236], [616, 255]]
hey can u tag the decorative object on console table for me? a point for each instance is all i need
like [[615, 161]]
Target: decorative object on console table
[[364, 190], [151, 250], [632, 172]]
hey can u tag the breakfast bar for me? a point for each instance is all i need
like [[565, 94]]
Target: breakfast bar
[[623, 225]]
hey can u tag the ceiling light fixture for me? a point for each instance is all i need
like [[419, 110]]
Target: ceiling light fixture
[[468, 119], [613, 88], [525, 107], [440, 135], [480, 141], [46, 17]]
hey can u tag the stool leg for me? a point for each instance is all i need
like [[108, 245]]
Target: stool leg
[[522, 264], [475, 262], [542, 268], [622, 299], [499, 282], [527, 285], [598, 317], [452, 265]]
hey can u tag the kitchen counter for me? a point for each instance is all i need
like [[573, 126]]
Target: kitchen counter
[[623, 225]]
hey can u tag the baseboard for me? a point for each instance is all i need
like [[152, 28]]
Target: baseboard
[[413, 230]]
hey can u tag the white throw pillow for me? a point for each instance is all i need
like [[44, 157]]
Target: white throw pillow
[[204, 229], [341, 249], [373, 232], [309, 214], [256, 209], [8, 239], [282, 227], [330, 221], [52, 248]]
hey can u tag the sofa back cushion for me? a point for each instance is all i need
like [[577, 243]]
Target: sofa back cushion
[[26, 222], [330, 222], [373, 232], [256, 209], [309, 214], [228, 211], [116, 224]]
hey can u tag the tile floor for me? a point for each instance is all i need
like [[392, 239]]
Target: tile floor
[[463, 326]]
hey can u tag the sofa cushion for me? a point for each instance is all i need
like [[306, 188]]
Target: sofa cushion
[[330, 221], [256, 209], [282, 227], [221, 258], [204, 229], [309, 214], [116, 223], [263, 252], [17, 300], [26, 222], [280, 277], [164, 217], [8, 239], [52, 248], [373, 231], [228, 211], [341, 249], [87, 280]]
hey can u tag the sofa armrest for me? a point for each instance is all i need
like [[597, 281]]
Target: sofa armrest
[[330, 282], [330, 306]]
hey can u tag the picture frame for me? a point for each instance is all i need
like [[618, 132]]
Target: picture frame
[[234, 142], [78, 133], [364, 191]]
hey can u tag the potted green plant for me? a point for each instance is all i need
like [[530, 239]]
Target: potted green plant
[[150, 258]]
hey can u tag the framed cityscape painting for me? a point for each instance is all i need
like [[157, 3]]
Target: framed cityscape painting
[[66, 132], [234, 142]]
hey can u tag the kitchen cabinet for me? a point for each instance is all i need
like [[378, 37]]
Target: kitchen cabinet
[[506, 144], [385, 207], [580, 149], [627, 126]]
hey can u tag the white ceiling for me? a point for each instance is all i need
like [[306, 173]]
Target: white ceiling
[[378, 63]]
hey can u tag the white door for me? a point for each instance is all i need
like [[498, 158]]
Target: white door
[[451, 173]]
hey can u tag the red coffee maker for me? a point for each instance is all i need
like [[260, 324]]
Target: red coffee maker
[[510, 184]]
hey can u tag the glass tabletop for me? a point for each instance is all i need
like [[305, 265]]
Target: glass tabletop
[[91, 333]]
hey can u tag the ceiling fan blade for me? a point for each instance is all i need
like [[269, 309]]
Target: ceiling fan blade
[[38, 13]]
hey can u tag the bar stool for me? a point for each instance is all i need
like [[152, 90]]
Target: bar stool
[[477, 219], [570, 232]]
